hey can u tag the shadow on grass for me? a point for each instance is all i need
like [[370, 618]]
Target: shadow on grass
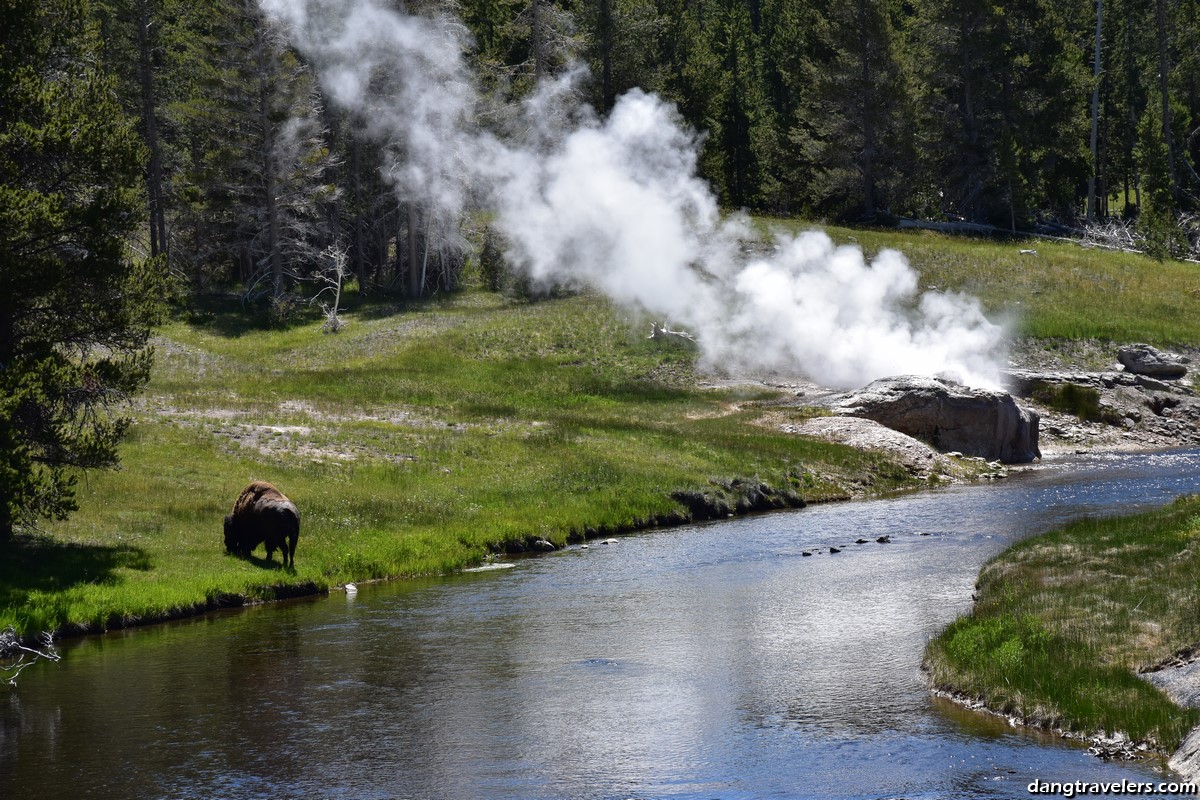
[[381, 307], [383, 304], [263, 563], [40, 563], [268, 563], [227, 315]]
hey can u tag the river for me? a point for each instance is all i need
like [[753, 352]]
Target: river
[[710, 661]]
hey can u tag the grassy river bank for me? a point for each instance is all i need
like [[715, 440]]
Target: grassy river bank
[[425, 438], [418, 441], [1065, 621]]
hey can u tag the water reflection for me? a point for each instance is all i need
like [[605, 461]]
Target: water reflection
[[715, 661]]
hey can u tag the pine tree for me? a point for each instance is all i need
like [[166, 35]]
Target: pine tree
[[136, 36], [789, 37], [253, 175], [1185, 86], [740, 107], [75, 310], [852, 120], [1156, 219], [622, 47]]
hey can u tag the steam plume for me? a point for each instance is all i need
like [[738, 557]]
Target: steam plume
[[617, 205]]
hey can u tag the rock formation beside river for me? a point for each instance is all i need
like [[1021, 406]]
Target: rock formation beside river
[[1070, 396], [1088, 400], [1110, 409], [948, 415]]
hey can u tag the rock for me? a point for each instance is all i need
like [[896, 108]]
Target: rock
[[835, 550], [739, 494], [1115, 748], [1142, 359], [664, 333], [1179, 680], [1023, 382], [884, 539], [1186, 760], [860, 541], [703, 505], [983, 423], [914, 455]]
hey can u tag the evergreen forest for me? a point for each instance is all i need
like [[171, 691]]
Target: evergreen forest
[[1024, 115]]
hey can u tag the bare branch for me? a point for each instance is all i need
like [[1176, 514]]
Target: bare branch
[[15, 656], [332, 276]]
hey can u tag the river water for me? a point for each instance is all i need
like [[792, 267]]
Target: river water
[[712, 661]]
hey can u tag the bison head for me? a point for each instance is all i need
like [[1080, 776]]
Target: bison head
[[232, 545]]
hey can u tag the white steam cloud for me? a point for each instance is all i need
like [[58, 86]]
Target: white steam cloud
[[617, 205]]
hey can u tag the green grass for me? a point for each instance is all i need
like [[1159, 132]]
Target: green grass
[[427, 435], [417, 441], [1071, 398], [1065, 291], [1063, 622]]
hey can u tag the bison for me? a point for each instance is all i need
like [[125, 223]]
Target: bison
[[262, 514]]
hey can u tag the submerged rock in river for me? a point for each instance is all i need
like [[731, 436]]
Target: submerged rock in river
[[949, 416]]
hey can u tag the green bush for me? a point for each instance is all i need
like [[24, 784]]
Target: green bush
[[1071, 398]]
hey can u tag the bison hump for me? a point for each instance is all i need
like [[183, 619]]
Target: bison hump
[[255, 493]]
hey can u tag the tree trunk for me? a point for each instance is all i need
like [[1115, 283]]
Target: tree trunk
[[414, 267], [869, 105], [8, 349], [606, 48], [359, 263], [539, 47], [1160, 19], [274, 252], [154, 169], [1131, 80], [1091, 206], [971, 189]]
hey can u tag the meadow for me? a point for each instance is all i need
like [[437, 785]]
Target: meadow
[[419, 440], [427, 437], [1064, 292]]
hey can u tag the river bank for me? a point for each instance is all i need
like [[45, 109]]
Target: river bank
[[418, 441], [425, 437], [1065, 624], [425, 442], [714, 660]]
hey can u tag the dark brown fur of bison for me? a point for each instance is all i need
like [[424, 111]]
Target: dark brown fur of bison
[[263, 515]]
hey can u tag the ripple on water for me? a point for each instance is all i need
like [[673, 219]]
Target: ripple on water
[[712, 661]]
